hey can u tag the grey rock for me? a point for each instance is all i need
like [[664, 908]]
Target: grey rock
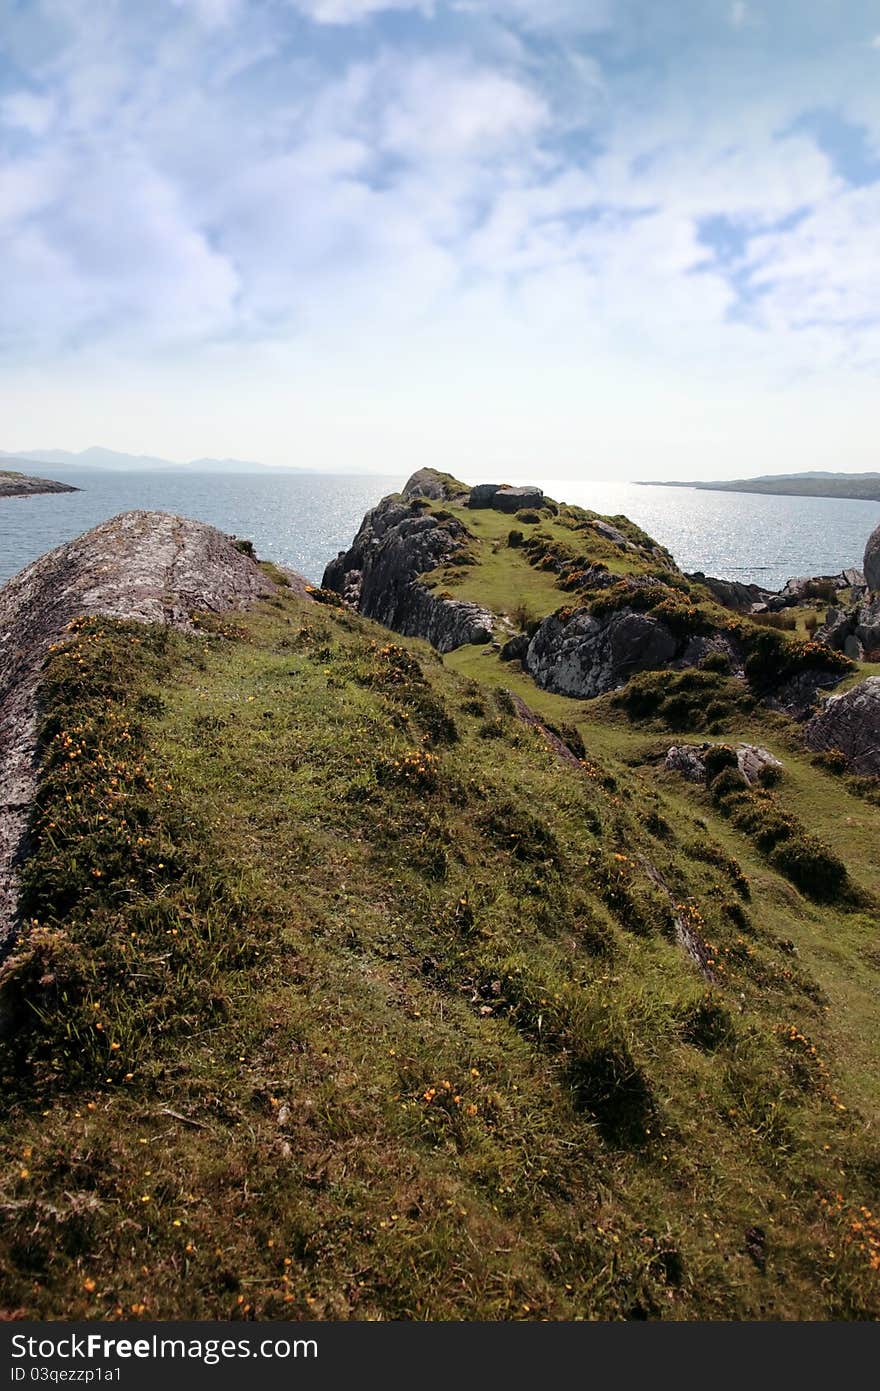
[[854, 630], [427, 482], [148, 567], [867, 626], [797, 696], [687, 759], [690, 761], [612, 534], [515, 648], [380, 575], [872, 561], [732, 593], [853, 649], [22, 485], [850, 723], [580, 655], [502, 498], [752, 761], [703, 645]]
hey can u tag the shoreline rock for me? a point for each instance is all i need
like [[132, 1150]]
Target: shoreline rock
[[22, 485]]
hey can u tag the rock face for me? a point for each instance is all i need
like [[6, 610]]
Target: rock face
[[855, 630], [145, 566], [502, 498], [20, 485], [751, 759], [733, 594], [850, 724], [380, 574], [872, 562], [577, 654]]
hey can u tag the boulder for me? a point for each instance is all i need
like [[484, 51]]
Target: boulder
[[578, 654], [687, 759], [850, 724], [502, 498], [690, 761], [753, 761], [427, 482], [515, 648], [871, 565]]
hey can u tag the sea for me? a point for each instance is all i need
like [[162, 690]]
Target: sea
[[303, 519]]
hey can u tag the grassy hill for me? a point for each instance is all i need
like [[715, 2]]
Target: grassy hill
[[351, 990]]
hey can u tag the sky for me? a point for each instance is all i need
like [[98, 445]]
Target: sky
[[529, 239]]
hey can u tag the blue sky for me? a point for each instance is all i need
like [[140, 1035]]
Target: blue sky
[[537, 238]]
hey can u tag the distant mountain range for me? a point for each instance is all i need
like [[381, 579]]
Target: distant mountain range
[[97, 457], [865, 486]]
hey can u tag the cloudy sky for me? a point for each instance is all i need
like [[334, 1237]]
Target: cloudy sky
[[538, 238]]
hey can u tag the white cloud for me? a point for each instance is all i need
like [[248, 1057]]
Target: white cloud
[[354, 11], [500, 210], [212, 13], [561, 16], [27, 111]]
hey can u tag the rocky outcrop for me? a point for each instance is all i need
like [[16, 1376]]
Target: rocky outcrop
[[144, 566], [439, 487], [503, 498], [577, 654], [752, 760], [733, 594], [20, 485], [380, 575], [850, 724], [854, 630], [872, 562]]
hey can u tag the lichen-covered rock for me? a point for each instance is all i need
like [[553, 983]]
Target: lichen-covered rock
[[871, 565], [379, 575], [850, 724], [854, 630], [578, 654], [687, 759], [752, 760], [150, 567], [439, 487], [503, 498]]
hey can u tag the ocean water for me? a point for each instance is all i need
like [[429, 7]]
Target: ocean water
[[303, 519]]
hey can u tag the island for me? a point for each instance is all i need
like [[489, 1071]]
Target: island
[[23, 485], [862, 486]]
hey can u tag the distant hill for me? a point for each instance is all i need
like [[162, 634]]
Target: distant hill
[[98, 457], [865, 486]]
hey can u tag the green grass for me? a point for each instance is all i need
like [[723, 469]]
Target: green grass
[[343, 996]]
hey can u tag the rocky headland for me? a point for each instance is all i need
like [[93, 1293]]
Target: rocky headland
[[429, 967], [14, 484]]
